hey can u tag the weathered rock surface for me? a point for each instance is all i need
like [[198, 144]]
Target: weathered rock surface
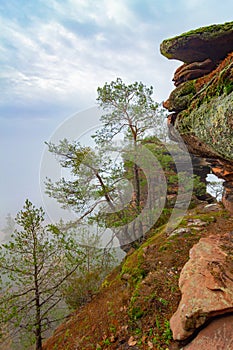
[[213, 42], [206, 284], [204, 114], [217, 335], [202, 103], [193, 70], [227, 198]]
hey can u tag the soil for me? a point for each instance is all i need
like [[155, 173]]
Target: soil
[[135, 303]]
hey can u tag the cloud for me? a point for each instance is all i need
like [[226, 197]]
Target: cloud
[[60, 52], [39, 63], [102, 13], [57, 60]]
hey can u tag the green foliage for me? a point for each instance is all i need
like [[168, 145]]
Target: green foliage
[[34, 264], [162, 334], [136, 313], [129, 109], [86, 280], [199, 187], [95, 185], [106, 341], [167, 333]]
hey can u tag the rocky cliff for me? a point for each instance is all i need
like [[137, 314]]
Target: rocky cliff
[[201, 105]]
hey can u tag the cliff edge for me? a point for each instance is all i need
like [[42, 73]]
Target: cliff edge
[[201, 105]]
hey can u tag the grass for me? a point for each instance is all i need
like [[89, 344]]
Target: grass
[[142, 306]]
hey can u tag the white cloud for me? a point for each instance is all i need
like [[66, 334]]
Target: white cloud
[[100, 12], [50, 61]]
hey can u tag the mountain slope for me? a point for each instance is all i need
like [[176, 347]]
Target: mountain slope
[[136, 301]]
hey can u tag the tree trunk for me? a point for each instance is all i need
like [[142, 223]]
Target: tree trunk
[[38, 328], [38, 338]]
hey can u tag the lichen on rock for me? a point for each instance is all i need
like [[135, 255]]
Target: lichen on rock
[[214, 42], [180, 98], [211, 124], [202, 102]]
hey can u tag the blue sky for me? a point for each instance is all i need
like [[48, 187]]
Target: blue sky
[[54, 54]]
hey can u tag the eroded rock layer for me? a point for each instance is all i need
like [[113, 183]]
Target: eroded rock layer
[[202, 102]]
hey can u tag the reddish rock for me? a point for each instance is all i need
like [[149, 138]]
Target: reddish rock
[[192, 71], [202, 100], [222, 170], [213, 42], [227, 198], [206, 284], [217, 335]]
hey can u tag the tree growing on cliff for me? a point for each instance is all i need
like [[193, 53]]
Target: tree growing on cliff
[[91, 190], [129, 114], [34, 264], [130, 111]]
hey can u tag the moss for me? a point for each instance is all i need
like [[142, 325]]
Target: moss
[[210, 123], [209, 116], [180, 98], [208, 31], [132, 266], [169, 46]]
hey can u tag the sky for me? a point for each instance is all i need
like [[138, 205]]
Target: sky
[[55, 54]]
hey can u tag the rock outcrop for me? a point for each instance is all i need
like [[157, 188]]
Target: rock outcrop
[[206, 284], [201, 107], [202, 102], [213, 42]]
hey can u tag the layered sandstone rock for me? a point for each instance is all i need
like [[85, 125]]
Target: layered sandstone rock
[[213, 42], [202, 103], [217, 335], [206, 284], [201, 107]]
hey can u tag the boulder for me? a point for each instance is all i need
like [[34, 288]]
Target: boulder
[[206, 284], [180, 98], [213, 207], [217, 335]]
